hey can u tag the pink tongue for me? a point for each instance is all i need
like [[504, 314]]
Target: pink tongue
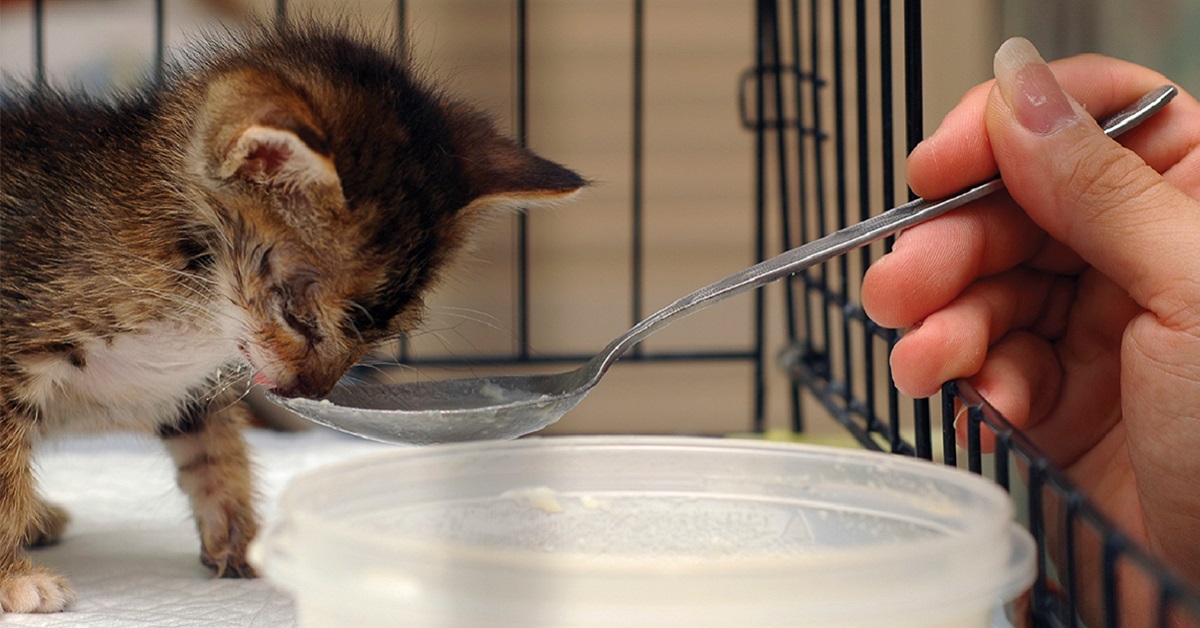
[[263, 380]]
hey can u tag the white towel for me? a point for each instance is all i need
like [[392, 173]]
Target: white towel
[[131, 549]]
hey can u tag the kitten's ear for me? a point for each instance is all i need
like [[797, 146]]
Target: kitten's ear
[[276, 157], [499, 170], [260, 132]]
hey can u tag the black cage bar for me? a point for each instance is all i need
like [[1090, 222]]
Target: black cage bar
[[805, 126], [835, 90]]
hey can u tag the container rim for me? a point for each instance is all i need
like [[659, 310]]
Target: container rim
[[990, 522]]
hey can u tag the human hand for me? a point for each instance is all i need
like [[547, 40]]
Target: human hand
[[1074, 305]]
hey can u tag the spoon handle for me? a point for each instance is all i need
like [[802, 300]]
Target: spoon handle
[[847, 239]]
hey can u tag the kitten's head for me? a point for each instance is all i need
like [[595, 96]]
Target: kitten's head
[[342, 187]]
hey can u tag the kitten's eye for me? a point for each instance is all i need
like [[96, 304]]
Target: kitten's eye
[[303, 326], [288, 300]]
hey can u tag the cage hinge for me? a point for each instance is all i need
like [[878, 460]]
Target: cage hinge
[[769, 88]]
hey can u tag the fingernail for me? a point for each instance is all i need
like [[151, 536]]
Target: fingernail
[[1030, 89]]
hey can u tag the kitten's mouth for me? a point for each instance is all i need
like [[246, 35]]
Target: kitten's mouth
[[259, 378]]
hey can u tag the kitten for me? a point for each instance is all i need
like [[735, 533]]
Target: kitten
[[283, 204]]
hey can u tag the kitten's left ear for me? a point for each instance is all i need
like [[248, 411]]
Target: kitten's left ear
[[260, 132], [498, 170], [276, 157]]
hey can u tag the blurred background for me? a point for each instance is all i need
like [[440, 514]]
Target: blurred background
[[696, 192]]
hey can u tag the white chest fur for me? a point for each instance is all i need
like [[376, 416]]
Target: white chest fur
[[133, 381]]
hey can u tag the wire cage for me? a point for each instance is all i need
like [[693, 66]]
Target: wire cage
[[832, 101]]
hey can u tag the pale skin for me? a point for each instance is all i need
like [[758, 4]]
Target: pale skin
[[1073, 304]]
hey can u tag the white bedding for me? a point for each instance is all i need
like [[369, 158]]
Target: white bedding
[[131, 550]]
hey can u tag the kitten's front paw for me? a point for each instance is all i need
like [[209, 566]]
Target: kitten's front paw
[[28, 589], [229, 565], [224, 549]]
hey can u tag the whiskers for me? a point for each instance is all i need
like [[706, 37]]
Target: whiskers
[[451, 327], [231, 384], [192, 304], [470, 316], [355, 305], [371, 371], [452, 334], [380, 367]]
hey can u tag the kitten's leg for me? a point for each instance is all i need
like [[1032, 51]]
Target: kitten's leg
[[24, 587], [46, 526], [214, 470]]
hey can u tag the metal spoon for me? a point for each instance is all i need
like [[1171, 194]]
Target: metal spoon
[[508, 406]]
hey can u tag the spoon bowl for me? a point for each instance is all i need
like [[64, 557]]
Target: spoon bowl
[[509, 406], [501, 407]]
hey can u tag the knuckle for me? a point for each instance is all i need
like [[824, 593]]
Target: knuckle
[[1101, 179], [1174, 304]]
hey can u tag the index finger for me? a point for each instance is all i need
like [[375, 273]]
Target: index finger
[[959, 154]]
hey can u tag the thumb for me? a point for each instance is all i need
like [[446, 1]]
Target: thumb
[[1085, 189]]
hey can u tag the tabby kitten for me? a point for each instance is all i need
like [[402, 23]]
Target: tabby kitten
[[283, 203]]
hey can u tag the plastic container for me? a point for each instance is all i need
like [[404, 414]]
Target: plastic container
[[644, 531]]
